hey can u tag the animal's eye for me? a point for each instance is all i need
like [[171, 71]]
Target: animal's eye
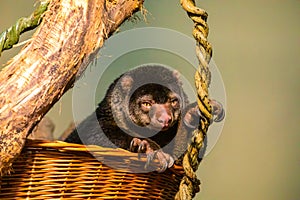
[[146, 104], [174, 102]]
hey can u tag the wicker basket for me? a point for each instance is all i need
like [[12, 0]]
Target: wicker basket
[[58, 170]]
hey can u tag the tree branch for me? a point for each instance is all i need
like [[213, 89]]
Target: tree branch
[[67, 40]]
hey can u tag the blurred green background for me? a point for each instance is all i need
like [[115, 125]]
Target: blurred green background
[[256, 47]]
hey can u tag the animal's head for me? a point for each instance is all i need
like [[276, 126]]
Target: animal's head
[[149, 96]]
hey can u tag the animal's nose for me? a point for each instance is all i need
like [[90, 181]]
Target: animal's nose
[[164, 119]]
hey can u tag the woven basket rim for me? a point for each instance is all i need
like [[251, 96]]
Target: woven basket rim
[[96, 150]]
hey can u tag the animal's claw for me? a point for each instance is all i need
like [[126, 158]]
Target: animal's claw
[[217, 111], [132, 146]]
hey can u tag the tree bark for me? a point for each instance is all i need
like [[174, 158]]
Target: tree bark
[[67, 40]]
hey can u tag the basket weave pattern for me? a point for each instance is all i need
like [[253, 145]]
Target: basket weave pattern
[[58, 170]]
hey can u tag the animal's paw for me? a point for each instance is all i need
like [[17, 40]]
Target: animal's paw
[[152, 150], [192, 114]]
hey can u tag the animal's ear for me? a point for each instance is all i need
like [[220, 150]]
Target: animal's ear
[[126, 83], [176, 75]]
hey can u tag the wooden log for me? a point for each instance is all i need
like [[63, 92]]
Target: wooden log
[[69, 37]]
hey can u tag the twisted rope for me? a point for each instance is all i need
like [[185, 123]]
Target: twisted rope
[[11, 36], [189, 185]]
